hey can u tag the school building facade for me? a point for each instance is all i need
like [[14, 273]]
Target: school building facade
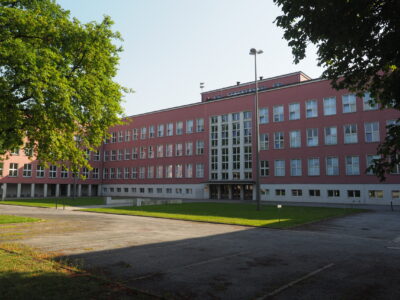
[[315, 145]]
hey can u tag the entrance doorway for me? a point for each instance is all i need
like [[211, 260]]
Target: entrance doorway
[[248, 192]]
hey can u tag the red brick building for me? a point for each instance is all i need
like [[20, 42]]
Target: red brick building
[[315, 144]]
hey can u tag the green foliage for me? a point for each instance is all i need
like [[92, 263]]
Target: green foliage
[[57, 92], [356, 43], [52, 202], [233, 213], [6, 219]]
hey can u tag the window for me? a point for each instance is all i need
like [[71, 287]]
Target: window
[[134, 173], [333, 193], [199, 170], [311, 109], [278, 140], [168, 190], [170, 129], [247, 132], [39, 171], [120, 136], [396, 194], [64, 172], [264, 141], [189, 171], [160, 130], [120, 154], [332, 166], [295, 167], [331, 135], [152, 132], [369, 103], [28, 151], [295, 139], [179, 128], [235, 117], [141, 190], [127, 154], [189, 191], [96, 155], [151, 152], [353, 193], [329, 106], [278, 113], [188, 148], [247, 115], [352, 165], [294, 111], [350, 134], [263, 114], [113, 155], [178, 191], [150, 190], [370, 159], [159, 190], [189, 126], [113, 137], [200, 125], [143, 131], [53, 172], [168, 171], [142, 171], [150, 172], [199, 147], [312, 137], [142, 153], [85, 172], [349, 103], [396, 168], [134, 134], [1, 169], [297, 193], [95, 173], [371, 132], [279, 192], [27, 170], [264, 168], [105, 173], [160, 151], [169, 150], [126, 173], [159, 172], [134, 153], [314, 193], [313, 167], [279, 168], [375, 194], [112, 173], [127, 135], [178, 149]]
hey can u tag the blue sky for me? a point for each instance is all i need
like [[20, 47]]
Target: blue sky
[[170, 46]]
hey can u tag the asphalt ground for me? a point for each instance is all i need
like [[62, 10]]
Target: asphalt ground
[[354, 257]]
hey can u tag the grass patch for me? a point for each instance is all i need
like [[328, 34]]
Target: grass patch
[[51, 202], [7, 219], [27, 274], [234, 213]]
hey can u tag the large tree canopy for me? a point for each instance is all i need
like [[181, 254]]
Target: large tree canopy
[[358, 45], [57, 93]]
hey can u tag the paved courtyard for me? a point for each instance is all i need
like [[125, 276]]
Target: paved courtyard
[[355, 257]]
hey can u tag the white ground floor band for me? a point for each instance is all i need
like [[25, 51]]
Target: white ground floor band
[[318, 193], [35, 190], [383, 194]]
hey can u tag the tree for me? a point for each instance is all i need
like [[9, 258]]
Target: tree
[[357, 45], [57, 94]]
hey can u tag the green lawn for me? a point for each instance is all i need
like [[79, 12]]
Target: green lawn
[[234, 213], [51, 202], [27, 274], [6, 219]]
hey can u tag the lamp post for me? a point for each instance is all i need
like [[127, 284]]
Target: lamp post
[[254, 52]]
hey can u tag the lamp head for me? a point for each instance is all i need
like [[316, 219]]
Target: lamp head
[[253, 51]]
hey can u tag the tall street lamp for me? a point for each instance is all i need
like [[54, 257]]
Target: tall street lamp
[[254, 52]]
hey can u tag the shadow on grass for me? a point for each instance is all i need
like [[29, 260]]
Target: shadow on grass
[[54, 285]]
